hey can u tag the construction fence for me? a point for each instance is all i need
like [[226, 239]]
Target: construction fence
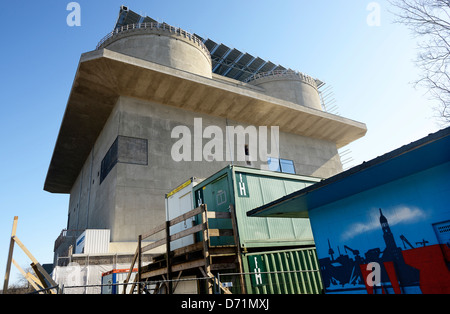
[[197, 268], [285, 282]]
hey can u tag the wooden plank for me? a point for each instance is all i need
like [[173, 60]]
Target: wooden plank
[[221, 232], [177, 281], [35, 282], [222, 251], [131, 270], [186, 232], [222, 266], [238, 247], [157, 288], [204, 263], [46, 275], [173, 222], [133, 286], [219, 215], [185, 216], [206, 245], [187, 249], [153, 231], [217, 282], [41, 277], [139, 274], [210, 275], [166, 283], [189, 265], [26, 251], [175, 268], [10, 255], [153, 273], [168, 259], [203, 272], [153, 245], [34, 260]]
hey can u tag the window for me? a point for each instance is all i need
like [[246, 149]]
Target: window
[[133, 150], [247, 156], [109, 161], [126, 150], [274, 164], [281, 165], [287, 166]]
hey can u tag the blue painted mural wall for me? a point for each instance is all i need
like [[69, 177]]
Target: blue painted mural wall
[[395, 225]]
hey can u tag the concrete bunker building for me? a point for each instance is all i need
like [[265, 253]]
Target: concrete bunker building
[[113, 151]]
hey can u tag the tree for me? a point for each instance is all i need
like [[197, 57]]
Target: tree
[[429, 20]]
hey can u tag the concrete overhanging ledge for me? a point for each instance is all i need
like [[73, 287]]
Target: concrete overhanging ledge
[[104, 75]]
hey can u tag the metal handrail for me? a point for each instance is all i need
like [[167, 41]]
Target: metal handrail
[[281, 73], [153, 25], [63, 235]]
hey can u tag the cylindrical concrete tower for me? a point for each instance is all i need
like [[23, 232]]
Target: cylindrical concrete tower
[[288, 85], [163, 44]]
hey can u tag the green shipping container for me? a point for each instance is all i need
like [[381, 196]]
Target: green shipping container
[[246, 189], [283, 272]]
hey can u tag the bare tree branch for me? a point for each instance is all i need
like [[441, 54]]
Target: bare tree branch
[[429, 20]]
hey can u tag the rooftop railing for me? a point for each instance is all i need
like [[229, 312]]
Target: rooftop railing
[[63, 236], [153, 26], [283, 73]]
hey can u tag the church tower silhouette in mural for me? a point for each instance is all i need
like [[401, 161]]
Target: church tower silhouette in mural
[[407, 275], [392, 252]]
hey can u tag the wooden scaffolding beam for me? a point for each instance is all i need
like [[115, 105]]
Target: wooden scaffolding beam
[[35, 282], [168, 264], [10, 255], [42, 275]]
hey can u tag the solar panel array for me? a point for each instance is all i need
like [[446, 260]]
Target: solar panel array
[[232, 63], [128, 17]]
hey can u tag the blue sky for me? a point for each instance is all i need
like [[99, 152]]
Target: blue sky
[[369, 67]]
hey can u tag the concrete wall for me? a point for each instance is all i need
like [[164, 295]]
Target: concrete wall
[[295, 88], [130, 200], [90, 203], [163, 47]]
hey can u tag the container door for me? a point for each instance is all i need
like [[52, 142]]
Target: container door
[[107, 281], [178, 203], [185, 202], [283, 272], [217, 197]]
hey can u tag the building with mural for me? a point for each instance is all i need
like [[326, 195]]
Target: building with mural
[[383, 226]]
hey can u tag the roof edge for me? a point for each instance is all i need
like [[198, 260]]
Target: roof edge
[[357, 169]]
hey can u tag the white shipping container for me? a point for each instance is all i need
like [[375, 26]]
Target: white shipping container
[[93, 241], [179, 202], [112, 281]]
